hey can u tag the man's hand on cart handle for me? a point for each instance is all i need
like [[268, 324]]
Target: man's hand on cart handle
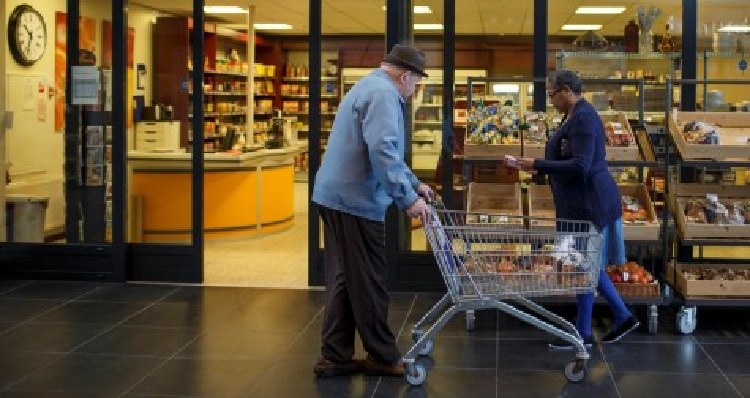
[[425, 192], [418, 209]]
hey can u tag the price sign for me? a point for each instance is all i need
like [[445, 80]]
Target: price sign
[[742, 65]]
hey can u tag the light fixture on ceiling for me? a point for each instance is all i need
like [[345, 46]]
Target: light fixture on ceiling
[[502, 88], [417, 9], [428, 26], [735, 28], [272, 26], [581, 27], [599, 10], [224, 10]]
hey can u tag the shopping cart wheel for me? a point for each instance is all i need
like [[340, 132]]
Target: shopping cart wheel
[[416, 374], [575, 371], [426, 348], [470, 318], [686, 320]]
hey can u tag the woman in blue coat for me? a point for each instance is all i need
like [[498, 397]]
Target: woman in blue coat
[[583, 189]]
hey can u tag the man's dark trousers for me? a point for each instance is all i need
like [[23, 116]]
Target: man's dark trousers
[[356, 293]]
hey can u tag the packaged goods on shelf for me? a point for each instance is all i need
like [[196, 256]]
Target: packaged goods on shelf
[[710, 211], [717, 136], [617, 135], [697, 132], [718, 280]]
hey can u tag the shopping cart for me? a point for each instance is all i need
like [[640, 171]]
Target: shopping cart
[[491, 260]]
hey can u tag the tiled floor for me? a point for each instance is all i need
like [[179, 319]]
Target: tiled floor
[[66, 339]]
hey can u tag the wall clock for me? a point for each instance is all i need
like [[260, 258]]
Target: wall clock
[[27, 35]]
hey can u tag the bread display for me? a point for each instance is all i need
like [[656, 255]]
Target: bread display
[[713, 211], [617, 134], [698, 132]]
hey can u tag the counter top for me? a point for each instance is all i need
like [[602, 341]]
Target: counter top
[[214, 160]]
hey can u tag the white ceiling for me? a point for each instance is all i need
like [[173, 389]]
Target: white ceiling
[[482, 17]]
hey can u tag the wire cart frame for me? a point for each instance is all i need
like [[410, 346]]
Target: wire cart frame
[[487, 260]]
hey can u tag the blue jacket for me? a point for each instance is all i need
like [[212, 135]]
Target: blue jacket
[[363, 169], [582, 187]]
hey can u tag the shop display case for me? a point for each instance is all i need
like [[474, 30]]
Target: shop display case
[[707, 215], [227, 102], [653, 68]]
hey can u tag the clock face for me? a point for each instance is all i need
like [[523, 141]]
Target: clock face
[[27, 35]]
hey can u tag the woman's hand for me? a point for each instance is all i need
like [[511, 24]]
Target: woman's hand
[[526, 164]]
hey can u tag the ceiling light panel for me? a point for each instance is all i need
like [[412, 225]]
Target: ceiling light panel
[[600, 10], [581, 27]]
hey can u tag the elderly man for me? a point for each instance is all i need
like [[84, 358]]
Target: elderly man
[[362, 173]]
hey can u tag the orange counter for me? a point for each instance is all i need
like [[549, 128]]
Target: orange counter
[[245, 195]]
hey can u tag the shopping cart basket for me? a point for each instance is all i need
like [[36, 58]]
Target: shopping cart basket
[[490, 260]]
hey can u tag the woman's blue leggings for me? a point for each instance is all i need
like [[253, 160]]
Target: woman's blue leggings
[[613, 252]]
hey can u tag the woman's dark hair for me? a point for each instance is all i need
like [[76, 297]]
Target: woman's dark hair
[[561, 78]]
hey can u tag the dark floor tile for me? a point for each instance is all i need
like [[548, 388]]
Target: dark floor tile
[[459, 352], [129, 293], [281, 298], [401, 301], [210, 296], [685, 385], [48, 337], [46, 394], [741, 383], [485, 324], [545, 383], [16, 365], [92, 312], [276, 383], [269, 320], [136, 340], [18, 310], [442, 382], [535, 355], [107, 376], [6, 326], [731, 358], [52, 290], [683, 357], [180, 315], [204, 377], [231, 343], [10, 285], [722, 325]]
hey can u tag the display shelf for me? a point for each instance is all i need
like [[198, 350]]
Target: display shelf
[[618, 55], [687, 239], [223, 93], [219, 73]]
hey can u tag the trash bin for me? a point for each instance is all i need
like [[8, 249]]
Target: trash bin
[[24, 221]]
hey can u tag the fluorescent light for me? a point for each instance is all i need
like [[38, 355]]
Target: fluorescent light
[[272, 26], [417, 9], [735, 28], [581, 27], [428, 26], [600, 10], [224, 10], [505, 88]]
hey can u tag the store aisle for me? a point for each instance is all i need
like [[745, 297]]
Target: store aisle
[[274, 260], [78, 339]]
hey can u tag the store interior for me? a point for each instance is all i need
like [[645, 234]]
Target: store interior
[[257, 66]]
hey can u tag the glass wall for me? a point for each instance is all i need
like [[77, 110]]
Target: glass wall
[[723, 40], [159, 133]]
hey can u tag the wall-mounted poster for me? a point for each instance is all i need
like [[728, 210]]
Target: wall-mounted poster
[[87, 44], [107, 62]]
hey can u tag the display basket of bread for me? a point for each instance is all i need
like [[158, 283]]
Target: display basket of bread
[[711, 135]]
